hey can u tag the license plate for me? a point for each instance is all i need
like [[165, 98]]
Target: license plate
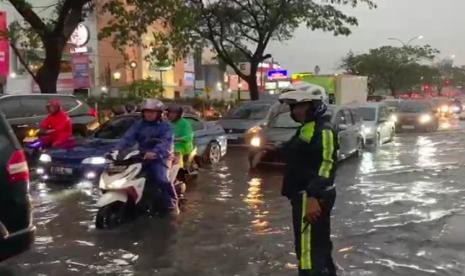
[[232, 136], [408, 127], [61, 170]]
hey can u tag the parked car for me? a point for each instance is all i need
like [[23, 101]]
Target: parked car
[[25, 112], [85, 160], [417, 115], [378, 124], [16, 228], [263, 148], [247, 116]]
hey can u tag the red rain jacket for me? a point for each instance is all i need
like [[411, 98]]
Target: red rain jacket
[[61, 123]]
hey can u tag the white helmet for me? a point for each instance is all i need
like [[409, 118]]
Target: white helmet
[[153, 104], [304, 93]]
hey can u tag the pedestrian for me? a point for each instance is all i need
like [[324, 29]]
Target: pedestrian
[[308, 182]]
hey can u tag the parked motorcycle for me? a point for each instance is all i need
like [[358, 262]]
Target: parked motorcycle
[[126, 193]]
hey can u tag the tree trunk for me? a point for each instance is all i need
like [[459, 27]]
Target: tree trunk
[[252, 82], [47, 76]]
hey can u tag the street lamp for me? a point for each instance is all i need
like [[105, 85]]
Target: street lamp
[[418, 37], [116, 76], [133, 66], [239, 86]]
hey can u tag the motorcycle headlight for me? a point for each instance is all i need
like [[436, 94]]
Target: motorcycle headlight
[[425, 118], [255, 141], [117, 183], [45, 158], [94, 161]]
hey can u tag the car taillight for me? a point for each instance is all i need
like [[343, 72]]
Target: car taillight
[[92, 112], [17, 168]]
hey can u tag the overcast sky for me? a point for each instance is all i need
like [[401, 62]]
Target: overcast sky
[[441, 22]]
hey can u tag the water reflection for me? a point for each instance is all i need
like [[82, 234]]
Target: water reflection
[[254, 200], [426, 152]]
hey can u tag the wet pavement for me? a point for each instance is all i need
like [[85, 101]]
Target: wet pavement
[[400, 211]]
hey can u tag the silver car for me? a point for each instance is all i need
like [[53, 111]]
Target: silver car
[[264, 145], [379, 125]]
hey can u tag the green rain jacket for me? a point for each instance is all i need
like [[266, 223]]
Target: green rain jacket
[[183, 135]]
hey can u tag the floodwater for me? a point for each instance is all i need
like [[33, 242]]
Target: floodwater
[[400, 210]]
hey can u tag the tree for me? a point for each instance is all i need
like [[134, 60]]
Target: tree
[[51, 34], [232, 26], [392, 68]]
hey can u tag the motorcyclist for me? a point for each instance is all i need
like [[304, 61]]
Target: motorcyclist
[[309, 181], [157, 154], [183, 134], [56, 128]]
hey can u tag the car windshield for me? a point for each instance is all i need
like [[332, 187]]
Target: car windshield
[[249, 112], [284, 120], [115, 128], [414, 107], [367, 113]]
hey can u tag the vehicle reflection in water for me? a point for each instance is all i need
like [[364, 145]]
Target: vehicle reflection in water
[[426, 151], [254, 201]]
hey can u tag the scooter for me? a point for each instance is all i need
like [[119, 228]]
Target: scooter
[[33, 145], [126, 193]]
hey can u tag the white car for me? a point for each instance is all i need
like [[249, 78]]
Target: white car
[[379, 124]]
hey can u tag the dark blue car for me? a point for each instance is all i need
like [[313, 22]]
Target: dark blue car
[[84, 160]]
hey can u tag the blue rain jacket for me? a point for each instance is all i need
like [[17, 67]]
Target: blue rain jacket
[[143, 133]]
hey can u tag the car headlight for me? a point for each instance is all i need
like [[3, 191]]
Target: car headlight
[[94, 161], [254, 130], [425, 118], [45, 158], [444, 109], [255, 141], [367, 130]]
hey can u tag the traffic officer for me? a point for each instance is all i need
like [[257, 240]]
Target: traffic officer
[[309, 181]]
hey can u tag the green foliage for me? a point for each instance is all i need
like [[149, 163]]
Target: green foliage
[[235, 29], [147, 88], [393, 68]]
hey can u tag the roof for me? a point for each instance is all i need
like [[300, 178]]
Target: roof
[[138, 114], [36, 95], [372, 104]]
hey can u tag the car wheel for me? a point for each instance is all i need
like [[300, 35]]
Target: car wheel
[[392, 135], [378, 141], [109, 216], [213, 153], [360, 146]]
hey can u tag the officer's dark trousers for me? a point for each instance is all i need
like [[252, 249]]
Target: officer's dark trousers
[[158, 176], [312, 241]]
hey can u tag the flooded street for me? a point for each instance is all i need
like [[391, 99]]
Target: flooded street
[[400, 210]]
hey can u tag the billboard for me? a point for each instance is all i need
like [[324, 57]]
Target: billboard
[[277, 74], [4, 47], [81, 74]]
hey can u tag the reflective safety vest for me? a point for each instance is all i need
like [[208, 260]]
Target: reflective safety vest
[[311, 158]]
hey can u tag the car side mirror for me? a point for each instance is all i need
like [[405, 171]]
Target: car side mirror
[[343, 127]]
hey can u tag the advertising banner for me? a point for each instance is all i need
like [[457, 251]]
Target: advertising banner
[[81, 75], [4, 46]]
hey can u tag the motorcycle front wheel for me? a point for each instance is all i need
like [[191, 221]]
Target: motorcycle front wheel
[[110, 216]]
